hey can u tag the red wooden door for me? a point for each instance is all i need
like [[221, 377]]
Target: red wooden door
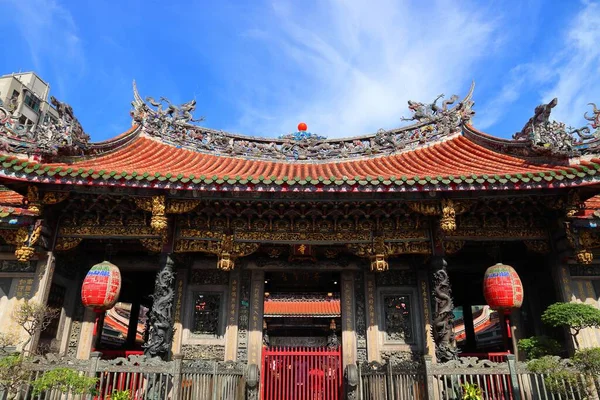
[[301, 373]]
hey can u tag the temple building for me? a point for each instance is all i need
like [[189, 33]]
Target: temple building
[[373, 246]]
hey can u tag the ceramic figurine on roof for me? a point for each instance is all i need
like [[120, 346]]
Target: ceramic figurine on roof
[[64, 136], [555, 138]]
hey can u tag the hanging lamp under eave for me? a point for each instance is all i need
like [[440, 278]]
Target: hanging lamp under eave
[[502, 288], [101, 287]]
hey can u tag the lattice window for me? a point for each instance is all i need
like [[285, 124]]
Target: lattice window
[[207, 307], [398, 318]]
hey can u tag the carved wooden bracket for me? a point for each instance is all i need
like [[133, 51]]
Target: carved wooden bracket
[[160, 206], [379, 251], [446, 209], [25, 240], [65, 243], [583, 241], [226, 249], [35, 203], [537, 246], [153, 245]]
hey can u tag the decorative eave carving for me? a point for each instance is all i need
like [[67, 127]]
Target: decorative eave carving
[[175, 125], [159, 206], [65, 244], [378, 251], [225, 248], [152, 245], [537, 246], [555, 139], [25, 239], [446, 209], [35, 202], [583, 241], [64, 136]]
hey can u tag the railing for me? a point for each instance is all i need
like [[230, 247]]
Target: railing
[[508, 380], [404, 380], [154, 379], [302, 373], [144, 378]]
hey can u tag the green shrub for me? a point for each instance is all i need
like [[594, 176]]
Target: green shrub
[[587, 361], [64, 380], [121, 395], [575, 316], [539, 346], [12, 374], [558, 378], [471, 392]]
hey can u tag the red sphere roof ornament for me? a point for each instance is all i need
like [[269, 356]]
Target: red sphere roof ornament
[[101, 287], [502, 288], [302, 127]]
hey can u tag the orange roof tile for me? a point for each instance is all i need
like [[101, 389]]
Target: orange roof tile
[[457, 156], [325, 308], [10, 198]]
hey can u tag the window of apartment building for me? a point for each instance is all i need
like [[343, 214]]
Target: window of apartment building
[[15, 94], [33, 102]]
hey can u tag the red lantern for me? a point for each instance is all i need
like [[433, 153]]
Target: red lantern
[[502, 287], [302, 127], [101, 287]]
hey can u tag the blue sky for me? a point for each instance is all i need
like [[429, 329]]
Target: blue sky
[[345, 67]]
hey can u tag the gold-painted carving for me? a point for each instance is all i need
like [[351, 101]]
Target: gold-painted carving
[[537, 246], [453, 246], [379, 263], [153, 245], [181, 206], [574, 203], [227, 249], [448, 219], [159, 219], [33, 200], [9, 235], [64, 244], [446, 209], [26, 240], [106, 231], [54, 197], [144, 203]]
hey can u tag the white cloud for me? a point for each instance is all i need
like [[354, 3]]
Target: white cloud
[[570, 74], [577, 67], [355, 64], [52, 36]]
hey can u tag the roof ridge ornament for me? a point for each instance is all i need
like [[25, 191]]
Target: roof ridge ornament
[[552, 138], [174, 125], [64, 136]]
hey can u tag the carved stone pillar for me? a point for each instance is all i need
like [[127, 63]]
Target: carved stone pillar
[[179, 306], [373, 351], [348, 319], [231, 332], [160, 316], [44, 275], [87, 335], [443, 316], [257, 299], [424, 293]]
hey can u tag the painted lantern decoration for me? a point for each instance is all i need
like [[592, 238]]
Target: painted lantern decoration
[[502, 287], [101, 287]]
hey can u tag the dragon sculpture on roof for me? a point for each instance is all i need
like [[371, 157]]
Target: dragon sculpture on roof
[[64, 136], [175, 125], [552, 138]]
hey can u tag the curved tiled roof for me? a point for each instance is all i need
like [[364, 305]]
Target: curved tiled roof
[[325, 308], [441, 165], [11, 203]]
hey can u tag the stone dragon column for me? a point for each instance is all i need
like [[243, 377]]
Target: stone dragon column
[[443, 308]]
